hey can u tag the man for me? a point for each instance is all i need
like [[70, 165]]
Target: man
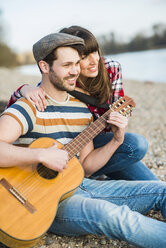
[[97, 207]]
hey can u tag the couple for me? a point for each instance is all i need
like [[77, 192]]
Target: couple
[[111, 207]]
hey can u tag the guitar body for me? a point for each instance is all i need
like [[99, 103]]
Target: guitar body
[[29, 200]]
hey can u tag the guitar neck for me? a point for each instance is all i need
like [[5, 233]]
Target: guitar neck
[[75, 146], [124, 106]]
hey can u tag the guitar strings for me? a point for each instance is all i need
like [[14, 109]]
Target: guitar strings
[[77, 145], [31, 187], [38, 183]]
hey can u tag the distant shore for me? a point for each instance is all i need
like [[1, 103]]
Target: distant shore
[[148, 119]]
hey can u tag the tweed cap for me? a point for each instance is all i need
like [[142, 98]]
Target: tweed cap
[[48, 43]]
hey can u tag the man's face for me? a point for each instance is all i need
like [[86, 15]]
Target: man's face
[[65, 69]]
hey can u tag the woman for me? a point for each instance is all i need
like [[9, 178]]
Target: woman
[[102, 79]]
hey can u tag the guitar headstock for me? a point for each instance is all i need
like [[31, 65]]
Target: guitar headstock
[[124, 105]]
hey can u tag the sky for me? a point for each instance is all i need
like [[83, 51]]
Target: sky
[[28, 21]]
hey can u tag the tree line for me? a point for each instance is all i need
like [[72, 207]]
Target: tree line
[[111, 45], [8, 58]]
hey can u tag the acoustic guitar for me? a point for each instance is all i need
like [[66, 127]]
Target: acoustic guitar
[[29, 196]]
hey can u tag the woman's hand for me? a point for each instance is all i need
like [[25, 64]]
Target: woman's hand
[[118, 125], [36, 95]]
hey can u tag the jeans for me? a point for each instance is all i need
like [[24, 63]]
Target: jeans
[[114, 208], [126, 161]]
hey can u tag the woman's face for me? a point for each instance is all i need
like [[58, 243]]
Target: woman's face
[[89, 65]]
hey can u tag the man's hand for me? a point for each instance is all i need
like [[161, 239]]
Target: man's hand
[[53, 158], [118, 125]]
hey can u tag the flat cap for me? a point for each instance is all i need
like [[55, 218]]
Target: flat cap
[[48, 43]]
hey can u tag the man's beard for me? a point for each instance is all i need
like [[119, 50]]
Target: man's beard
[[59, 83]]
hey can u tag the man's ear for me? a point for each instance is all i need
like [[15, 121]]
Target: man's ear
[[44, 66]]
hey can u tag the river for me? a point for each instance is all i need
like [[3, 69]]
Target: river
[[143, 66]]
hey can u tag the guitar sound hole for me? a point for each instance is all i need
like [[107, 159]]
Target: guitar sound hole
[[46, 172]]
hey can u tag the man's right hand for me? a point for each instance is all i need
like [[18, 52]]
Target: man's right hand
[[53, 158]]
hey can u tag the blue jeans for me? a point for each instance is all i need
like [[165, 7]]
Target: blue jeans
[[126, 161], [114, 208]]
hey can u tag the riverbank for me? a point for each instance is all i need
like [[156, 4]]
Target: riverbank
[[10, 80], [148, 119]]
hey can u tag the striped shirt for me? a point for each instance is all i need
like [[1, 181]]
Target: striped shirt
[[61, 121]]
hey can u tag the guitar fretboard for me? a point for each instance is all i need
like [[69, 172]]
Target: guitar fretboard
[[124, 106], [75, 146]]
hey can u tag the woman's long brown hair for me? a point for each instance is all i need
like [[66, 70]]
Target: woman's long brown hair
[[99, 86]]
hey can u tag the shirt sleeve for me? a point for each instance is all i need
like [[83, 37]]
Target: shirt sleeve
[[24, 113], [114, 71], [15, 96]]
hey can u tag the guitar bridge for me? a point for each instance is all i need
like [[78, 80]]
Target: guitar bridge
[[12, 190]]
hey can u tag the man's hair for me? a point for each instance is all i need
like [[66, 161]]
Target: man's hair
[[49, 59], [53, 55]]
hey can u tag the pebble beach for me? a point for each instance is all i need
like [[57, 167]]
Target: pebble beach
[[148, 119]]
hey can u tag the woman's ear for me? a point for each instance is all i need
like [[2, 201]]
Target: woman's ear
[[44, 66]]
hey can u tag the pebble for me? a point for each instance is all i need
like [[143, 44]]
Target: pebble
[[103, 242], [48, 241]]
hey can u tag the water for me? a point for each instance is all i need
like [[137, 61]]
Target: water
[[30, 70], [143, 66]]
